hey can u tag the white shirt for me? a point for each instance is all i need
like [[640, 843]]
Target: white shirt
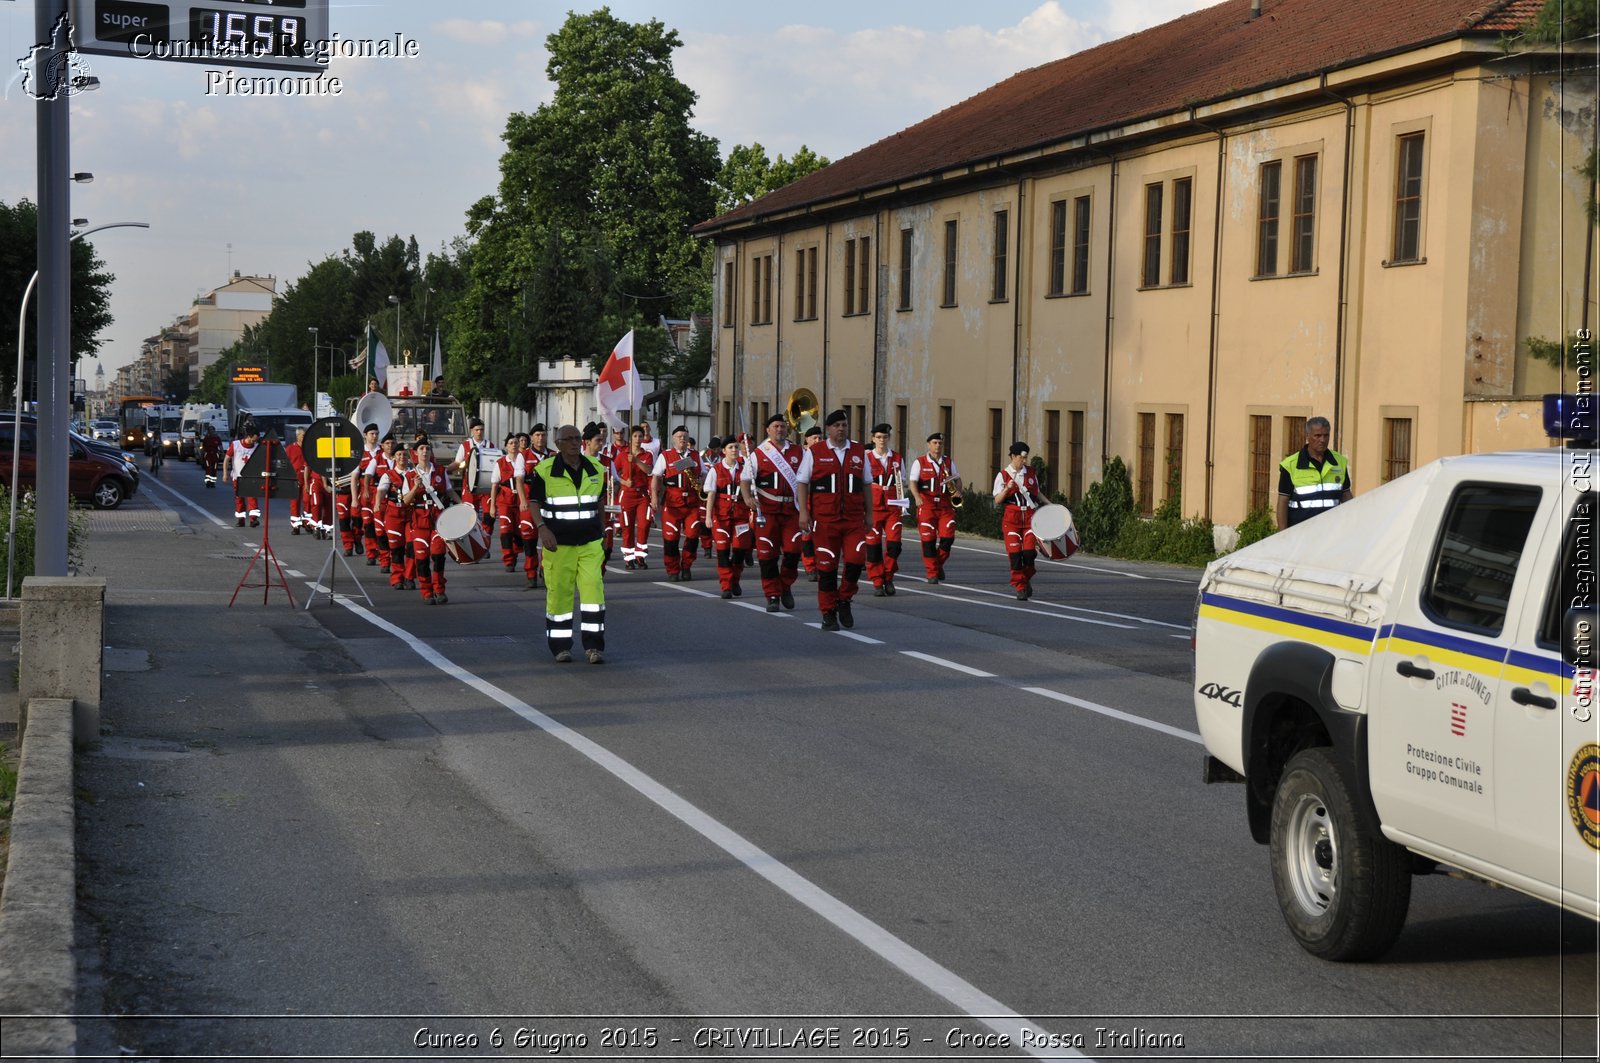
[[803, 474]]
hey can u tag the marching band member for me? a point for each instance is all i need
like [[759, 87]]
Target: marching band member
[[933, 480], [426, 489], [808, 549], [211, 455], [319, 501], [1017, 492], [503, 502], [618, 444], [633, 481], [363, 499], [295, 452], [651, 444], [402, 566], [886, 468], [464, 465], [768, 482], [674, 491], [371, 473], [239, 452], [834, 496], [534, 449], [728, 516], [709, 457]]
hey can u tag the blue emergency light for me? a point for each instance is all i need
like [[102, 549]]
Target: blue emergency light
[[1571, 417]]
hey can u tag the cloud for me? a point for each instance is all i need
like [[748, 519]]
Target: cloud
[[485, 32]]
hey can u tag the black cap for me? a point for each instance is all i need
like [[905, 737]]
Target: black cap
[[388, 438], [935, 435], [813, 431], [681, 428], [716, 443], [883, 427], [836, 416], [536, 428], [1019, 447], [474, 423], [777, 418], [371, 427]]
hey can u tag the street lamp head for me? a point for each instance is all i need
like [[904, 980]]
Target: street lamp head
[[80, 222], [83, 178], [394, 300]]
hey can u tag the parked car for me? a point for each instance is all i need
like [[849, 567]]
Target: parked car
[[93, 474]]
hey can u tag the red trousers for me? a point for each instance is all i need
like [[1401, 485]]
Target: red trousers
[[841, 543], [936, 527], [1021, 547], [635, 521], [428, 549], [883, 544], [402, 562], [777, 534], [680, 536], [734, 539]]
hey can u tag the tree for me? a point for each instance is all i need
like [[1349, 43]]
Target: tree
[[588, 235], [747, 174], [91, 294]]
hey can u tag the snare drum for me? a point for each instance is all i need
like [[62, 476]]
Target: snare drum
[[1053, 528], [485, 464], [463, 535]]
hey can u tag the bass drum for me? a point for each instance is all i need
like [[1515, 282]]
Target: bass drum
[[485, 463], [1053, 528], [464, 538]]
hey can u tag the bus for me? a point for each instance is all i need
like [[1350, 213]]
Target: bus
[[132, 418]]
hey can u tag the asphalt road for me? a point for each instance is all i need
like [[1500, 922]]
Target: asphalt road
[[970, 818]]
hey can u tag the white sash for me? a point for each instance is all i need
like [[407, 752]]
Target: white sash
[[783, 466]]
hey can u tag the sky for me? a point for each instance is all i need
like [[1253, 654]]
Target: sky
[[272, 185]]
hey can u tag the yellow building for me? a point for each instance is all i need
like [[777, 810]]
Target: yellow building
[[1177, 246]]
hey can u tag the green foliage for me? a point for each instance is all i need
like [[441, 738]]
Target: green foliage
[[588, 235], [1165, 537], [1571, 355], [1560, 22], [978, 514], [77, 528], [1106, 506], [8, 778], [747, 174], [341, 389], [1257, 526], [91, 290]]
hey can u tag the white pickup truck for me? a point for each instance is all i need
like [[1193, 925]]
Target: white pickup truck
[[1407, 681]]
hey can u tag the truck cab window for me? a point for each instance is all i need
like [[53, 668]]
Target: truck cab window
[[1475, 559]]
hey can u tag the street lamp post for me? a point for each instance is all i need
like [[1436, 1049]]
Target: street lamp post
[[40, 528], [395, 299], [316, 353]]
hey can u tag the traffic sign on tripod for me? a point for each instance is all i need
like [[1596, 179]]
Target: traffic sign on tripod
[[333, 447]]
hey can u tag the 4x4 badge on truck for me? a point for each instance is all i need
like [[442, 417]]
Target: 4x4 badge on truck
[[1223, 694], [1583, 793]]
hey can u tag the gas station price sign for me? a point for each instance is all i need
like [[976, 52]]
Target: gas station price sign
[[267, 34]]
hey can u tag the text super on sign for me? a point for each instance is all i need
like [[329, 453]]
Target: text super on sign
[[269, 34]]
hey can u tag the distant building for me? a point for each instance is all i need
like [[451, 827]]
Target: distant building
[[1179, 245], [217, 319]]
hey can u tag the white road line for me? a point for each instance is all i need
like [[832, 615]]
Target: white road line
[[1115, 714], [1014, 608], [213, 518], [1079, 609], [1087, 567], [816, 625], [688, 590], [920, 967], [942, 663], [292, 572]]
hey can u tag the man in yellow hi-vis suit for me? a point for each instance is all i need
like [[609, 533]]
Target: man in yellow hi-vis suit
[[566, 494]]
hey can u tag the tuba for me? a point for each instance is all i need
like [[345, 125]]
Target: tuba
[[802, 410]]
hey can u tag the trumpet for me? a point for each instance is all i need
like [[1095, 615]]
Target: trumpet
[[957, 499]]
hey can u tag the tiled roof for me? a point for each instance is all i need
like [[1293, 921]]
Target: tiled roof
[[1209, 55]]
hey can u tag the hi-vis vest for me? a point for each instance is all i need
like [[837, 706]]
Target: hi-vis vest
[[572, 510], [1314, 489]]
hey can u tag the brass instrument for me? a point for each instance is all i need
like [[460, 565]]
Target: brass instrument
[[802, 410], [957, 498]]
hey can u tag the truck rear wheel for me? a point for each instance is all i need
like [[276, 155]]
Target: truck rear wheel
[[1342, 886]]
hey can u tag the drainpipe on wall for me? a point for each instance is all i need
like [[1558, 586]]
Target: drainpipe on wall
[[880, 339], [1111, 317], [1342, 295], [777, 327], [1216, 316], [827, 290], [1016, 316]]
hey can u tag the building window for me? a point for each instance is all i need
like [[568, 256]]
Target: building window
[[947, 425], [757, 419], [1145, 491], [1058, 247], [951, 234], [1182, 194], [1261, 462], [1408, 200], [900, 439], [905, 269], [755, 290], [727, 416], [1175, 457], [766, 291], [1152, 236], [1303, 224], [761, 290], [849, 277], [1396, 447], [1001, 248], [1052, 451], [1267, 220], [727, 295], [1294, 433], [864, 274], [1080, 245], [805, 289], [1075, 455], [996, 447]]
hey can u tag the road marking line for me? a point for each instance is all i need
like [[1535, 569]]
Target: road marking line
[[1015, 608], [1115, 714], [688, 590], [213, 518], [816, 625], [917, 965], [1087, 567], [942, 663], [292, 572]]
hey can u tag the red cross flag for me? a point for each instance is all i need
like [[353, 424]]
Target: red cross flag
[[617, 390]]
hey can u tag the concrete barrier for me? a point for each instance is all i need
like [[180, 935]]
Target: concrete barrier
[[62, 632], [38, 976]]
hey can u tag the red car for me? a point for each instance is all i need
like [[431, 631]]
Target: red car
[[91, 476]]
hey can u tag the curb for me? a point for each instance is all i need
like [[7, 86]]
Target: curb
[[38, 976]]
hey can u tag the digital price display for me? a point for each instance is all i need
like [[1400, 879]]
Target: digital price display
[[271, 34]]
